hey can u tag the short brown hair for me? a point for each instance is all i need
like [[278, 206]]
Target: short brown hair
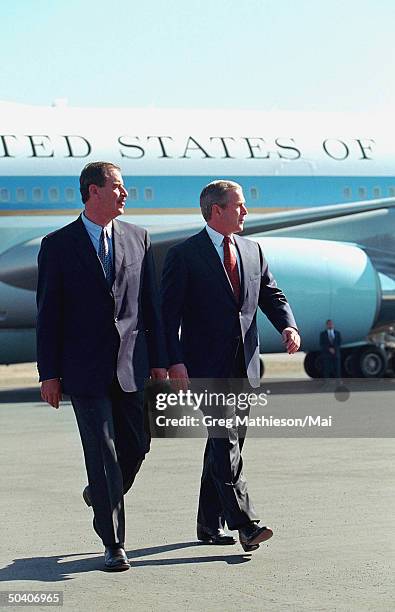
[[216, 193], [94, 173]]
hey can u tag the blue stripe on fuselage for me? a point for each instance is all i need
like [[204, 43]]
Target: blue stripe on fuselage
[[176, 192]]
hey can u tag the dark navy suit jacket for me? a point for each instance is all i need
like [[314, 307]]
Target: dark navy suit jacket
[[86, 333], [197, 295], [326, 344]]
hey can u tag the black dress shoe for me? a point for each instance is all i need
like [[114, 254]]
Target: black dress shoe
[[251, 535], [86, 496], [213, 536], [115, 559]]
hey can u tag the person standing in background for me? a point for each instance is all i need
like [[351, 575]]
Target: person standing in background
[[330, 343]]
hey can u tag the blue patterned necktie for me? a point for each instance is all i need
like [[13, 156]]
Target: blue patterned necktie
[[105, 257]]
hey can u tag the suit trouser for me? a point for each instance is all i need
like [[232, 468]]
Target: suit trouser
[[115, 438], [223, 488], [330, 365]]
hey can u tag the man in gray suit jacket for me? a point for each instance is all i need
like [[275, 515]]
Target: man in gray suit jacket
[[99, 337], [212, 286]]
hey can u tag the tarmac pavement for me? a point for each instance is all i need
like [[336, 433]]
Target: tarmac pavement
[[330, 503]]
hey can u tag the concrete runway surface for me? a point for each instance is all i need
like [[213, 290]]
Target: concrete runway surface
[[330, 503]]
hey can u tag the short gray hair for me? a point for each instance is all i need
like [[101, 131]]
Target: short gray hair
[[216, 193]]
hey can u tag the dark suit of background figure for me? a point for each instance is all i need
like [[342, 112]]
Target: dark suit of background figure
[[219, 339], [101, 343], [331, 361]]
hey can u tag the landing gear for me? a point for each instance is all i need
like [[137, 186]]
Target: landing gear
[[261, 367], [368, 361], [313, 364], [347, 363]]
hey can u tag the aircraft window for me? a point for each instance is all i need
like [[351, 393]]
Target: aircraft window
[[20, 194], [4, 195], [376, 192], [37, 194], [254, 193], [391, 192], [70, 195], [362, 192], [148, 194], [53, 193], [133, 193], [347, 192]]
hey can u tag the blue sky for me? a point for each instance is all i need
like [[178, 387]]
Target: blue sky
[[258, 54]]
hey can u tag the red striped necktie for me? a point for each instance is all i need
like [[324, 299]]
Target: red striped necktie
[[230, 263]]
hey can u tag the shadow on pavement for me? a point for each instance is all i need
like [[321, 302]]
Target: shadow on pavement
[[17, 396], [327, 387], [59, 568]]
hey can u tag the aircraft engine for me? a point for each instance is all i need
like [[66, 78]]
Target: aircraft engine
[[322, 280]]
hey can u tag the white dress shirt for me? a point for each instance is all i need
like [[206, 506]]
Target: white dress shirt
[[218, 241]]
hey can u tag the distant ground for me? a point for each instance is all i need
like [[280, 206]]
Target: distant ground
[[277, 365]]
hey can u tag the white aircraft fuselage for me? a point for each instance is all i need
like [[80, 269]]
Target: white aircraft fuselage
[[283, 160]]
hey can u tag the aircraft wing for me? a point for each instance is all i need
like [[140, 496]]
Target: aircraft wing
[[369, 224], [281, 220], [309, 262]]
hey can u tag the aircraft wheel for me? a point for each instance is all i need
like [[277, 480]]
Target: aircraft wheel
[[261, 367], [313, 364], [371, 362], [347, 363]]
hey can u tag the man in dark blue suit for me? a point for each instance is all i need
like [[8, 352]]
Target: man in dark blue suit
[[212, 286], [99, 337], [330, 343]]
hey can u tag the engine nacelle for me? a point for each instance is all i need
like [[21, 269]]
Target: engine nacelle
[[322, 280]]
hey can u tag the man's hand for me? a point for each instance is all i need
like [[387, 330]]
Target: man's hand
[[158, 373], [51, 391], [179, 376], [291, 340]]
